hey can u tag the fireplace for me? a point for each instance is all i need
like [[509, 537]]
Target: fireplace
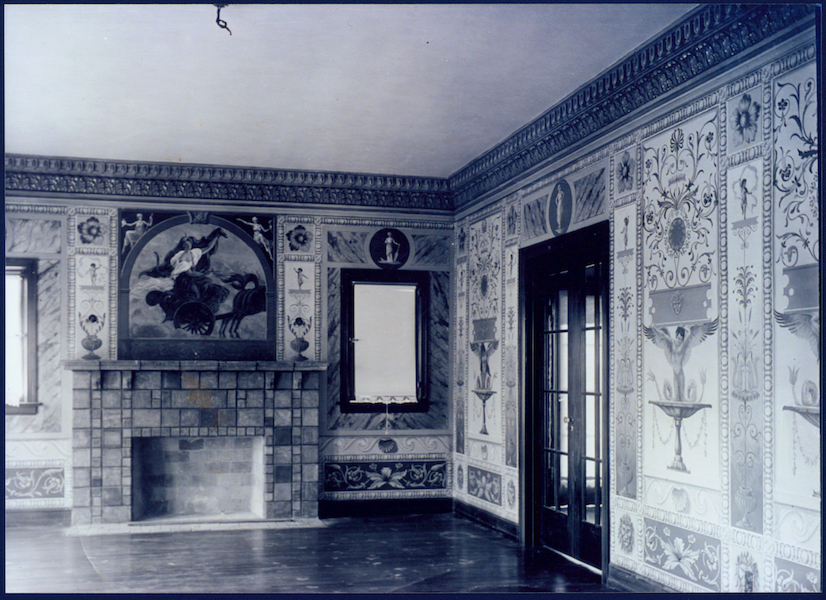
[[247, 431]]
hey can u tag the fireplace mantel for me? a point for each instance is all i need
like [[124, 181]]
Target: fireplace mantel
[[115, 401]]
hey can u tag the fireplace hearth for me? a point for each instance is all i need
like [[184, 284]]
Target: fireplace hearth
[[248, 431]]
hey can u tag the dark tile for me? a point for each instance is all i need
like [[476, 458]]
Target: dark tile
[[208, 417], [171, 380], [283, 474], [111, 380], [282, 436]]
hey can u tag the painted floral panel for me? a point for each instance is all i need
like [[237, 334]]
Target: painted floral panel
[[688, 555], [398, 475]]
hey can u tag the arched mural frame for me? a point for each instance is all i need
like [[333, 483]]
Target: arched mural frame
[[131, 348]]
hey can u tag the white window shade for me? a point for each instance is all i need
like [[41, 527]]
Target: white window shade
[[384, 343]]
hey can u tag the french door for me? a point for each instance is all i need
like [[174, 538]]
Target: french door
[[567, 380]]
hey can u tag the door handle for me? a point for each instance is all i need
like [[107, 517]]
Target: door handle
[[570, 422]]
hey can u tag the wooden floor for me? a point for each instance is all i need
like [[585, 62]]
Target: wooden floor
[[410, 554]]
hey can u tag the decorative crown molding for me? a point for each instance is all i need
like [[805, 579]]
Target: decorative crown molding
[[28, 173], [691, 48]]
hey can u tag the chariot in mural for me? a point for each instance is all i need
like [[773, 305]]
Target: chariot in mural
[[195, 298]]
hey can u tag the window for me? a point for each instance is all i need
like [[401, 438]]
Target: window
[[383, 354], [21, 336]]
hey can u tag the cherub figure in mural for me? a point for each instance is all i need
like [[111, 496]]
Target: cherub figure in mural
[[93, 272], [130, 238], [300, 276], [258, 232], [678, 349], [483, 350]]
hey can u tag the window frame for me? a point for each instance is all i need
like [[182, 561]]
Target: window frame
[[350, 277], [27, 269]]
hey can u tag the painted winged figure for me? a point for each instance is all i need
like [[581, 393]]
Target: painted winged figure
[[804, 325], [678, 347]]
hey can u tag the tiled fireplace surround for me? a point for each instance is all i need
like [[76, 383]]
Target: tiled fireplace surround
[[116, 401]]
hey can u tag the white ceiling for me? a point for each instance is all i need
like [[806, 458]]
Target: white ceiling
[[391, 89]]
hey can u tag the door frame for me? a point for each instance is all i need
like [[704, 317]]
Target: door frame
[[529, 458]]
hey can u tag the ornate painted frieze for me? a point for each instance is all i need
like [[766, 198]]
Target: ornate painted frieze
[[38, 474], [300, 320], [627, 535], [384, 475], [405, 444], [691, 48], [298, 272], [34, 482], [683, 499]]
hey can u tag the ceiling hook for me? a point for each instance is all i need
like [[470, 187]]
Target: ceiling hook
[[222, 24]]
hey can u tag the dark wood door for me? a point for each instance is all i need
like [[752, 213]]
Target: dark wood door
[[567, 351]]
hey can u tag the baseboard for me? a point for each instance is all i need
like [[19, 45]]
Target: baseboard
[[487, 519], [54, 517], [332, 509], [624, 580]]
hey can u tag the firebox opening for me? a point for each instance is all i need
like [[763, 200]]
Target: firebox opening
[[209, 478]]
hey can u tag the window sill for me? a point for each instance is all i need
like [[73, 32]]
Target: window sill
[[29, 408]]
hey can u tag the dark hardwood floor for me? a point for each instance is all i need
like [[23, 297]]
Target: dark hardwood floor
[[438, 553]]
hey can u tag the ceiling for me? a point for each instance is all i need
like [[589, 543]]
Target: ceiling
[[388, 89]]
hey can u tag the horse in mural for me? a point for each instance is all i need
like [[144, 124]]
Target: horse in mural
[[248, 301]]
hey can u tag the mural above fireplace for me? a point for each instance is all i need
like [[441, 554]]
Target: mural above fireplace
[[196, 286]]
